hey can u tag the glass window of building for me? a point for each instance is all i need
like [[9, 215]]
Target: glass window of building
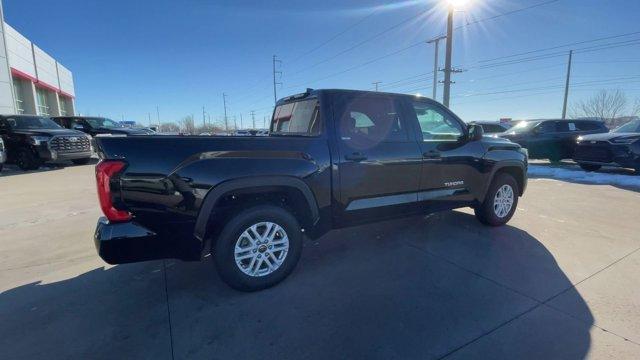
[[63, 106], [41, 100], [17, 90]]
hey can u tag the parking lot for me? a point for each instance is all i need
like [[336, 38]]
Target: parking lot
[[560, 281]]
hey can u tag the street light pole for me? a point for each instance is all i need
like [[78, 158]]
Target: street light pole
[[566, 86], [435, 42], [447, 63]]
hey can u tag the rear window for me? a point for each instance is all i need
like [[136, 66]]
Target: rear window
[[296, 118]]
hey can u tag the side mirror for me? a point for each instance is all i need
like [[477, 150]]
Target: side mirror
[[476, 132]]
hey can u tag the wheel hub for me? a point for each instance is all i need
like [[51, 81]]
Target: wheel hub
[[261, 249]]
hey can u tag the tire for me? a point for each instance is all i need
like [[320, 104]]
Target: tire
[[83, 161], [492, 214], [555, 159], [26, 160], [254, 273], [589, 167]]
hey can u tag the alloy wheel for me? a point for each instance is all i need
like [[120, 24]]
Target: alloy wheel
[[503, 201], [261, 249]]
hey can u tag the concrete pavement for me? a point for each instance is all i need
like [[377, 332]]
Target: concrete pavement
[[559, 282]]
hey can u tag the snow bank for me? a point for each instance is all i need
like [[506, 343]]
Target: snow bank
[[578, 175]]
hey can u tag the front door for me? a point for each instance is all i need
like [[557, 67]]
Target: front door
[[451, 163], [379, 165]]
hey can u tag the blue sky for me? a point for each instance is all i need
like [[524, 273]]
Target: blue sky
[[128, 57]]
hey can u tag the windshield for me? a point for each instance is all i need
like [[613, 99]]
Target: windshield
[[632, 126], [98, 123], [32, 122], [522, 127]]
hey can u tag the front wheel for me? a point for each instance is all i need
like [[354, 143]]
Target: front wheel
[[589, 167], [258, 248], [500, 202], [83, 161], [26, 160]]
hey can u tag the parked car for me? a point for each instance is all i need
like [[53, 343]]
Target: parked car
[[552, 139], [98, 126], [3, 154], [492, 127], [620, 147], [333, 158], [32, 140]]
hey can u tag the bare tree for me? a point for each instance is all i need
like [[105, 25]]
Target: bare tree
[[169, 127], [188, 125], [605, 105], [635, 111]]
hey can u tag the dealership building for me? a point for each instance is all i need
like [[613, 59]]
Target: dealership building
[[31, 81]]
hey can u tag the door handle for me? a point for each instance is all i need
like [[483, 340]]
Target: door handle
[[356, 156], [431, 154]]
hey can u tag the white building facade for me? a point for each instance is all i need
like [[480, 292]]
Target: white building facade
[[31, 81]]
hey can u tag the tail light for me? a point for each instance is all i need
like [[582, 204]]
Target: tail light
[[105, 170]]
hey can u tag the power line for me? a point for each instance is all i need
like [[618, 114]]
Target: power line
[[351, 48], [335, 36]]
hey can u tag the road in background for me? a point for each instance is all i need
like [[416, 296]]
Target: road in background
[[559, 282]]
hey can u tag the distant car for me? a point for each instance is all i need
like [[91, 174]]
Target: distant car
[[205, 134], [3, 154], [98, 126], [552, 139], [31, 140], [492, 127], [620, 147], [242, 133]]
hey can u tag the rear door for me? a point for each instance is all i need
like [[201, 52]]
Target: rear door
[[379, 162], [449, 161]]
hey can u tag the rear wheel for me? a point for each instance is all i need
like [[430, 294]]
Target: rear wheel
[[500, 202], [590, 167], [26, 160], [258, 248], [84, 161]]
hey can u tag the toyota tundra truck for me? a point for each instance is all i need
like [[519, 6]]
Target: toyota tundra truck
[[332, 158]]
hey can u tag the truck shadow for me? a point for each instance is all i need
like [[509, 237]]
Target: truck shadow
[[413, 288]]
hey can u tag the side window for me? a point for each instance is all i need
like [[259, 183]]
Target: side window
[[563, 126], [436, 124], [546, 127], [372, 120], [587, 126]]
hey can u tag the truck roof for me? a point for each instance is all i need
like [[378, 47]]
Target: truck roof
[[310, 92]]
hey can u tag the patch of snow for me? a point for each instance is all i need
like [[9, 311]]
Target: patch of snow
[[581, 176]]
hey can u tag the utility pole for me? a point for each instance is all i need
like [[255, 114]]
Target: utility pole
[[224, 102], [149, 117], [253, 118], [566, 86], [447, 63], [375, 83], [275, 83], [158, 114], [435, 42], [204, 117], [235, 123], [241, 126]]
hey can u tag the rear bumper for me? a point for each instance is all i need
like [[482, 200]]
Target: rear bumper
[[120, 243]]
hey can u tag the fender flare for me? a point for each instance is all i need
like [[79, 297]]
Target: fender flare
[[501, 165], [223, 188]]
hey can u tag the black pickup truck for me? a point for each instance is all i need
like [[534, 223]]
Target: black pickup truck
[[333, 158]]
